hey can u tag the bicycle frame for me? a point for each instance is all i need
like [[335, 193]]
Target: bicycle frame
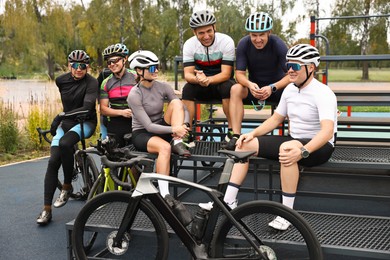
[[146, 189], [109, 184]]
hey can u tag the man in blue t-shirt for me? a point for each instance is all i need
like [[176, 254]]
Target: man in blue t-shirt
[[264, 56]]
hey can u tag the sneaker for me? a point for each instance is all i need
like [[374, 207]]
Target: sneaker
[[180, 149], [189, 140], [231, 145], [44, 218], [63, 198], [209, 205], [279, 223]]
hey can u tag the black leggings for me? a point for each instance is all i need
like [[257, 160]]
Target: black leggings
[[62, 154]]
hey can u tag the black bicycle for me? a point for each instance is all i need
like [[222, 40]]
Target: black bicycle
[[130, 224], [85, 171]]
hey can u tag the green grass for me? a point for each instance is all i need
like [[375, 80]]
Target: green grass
[[355, 75]]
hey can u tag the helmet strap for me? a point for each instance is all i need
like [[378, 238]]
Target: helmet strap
[[307, 78], [143, 76]]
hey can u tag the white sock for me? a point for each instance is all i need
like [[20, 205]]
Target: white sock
[[231, 194], [176, 141], [288, 201], [163, 186]]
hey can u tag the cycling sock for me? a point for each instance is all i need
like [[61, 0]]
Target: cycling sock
[[66, 186], [51, 176], [66, 145], [176, 141], [47, 208], [288, 199], [231, 193], [163, 186]]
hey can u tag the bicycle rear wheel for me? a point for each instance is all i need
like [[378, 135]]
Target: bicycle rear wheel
[[297, 242], [83, 181], [103, 214]]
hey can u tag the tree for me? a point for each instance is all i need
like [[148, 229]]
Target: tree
[[357, 29]]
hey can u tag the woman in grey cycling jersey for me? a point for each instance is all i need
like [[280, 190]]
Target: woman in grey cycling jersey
[[154, 130]]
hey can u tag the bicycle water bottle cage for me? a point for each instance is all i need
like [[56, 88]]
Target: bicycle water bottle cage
[[180, 211]]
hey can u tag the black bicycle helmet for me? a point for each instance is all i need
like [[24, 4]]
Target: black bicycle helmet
[[202, 18], [118, 49], [78, 56]]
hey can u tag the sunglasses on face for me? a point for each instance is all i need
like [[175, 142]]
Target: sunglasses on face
[[152, 69], [294, 66], [76, 65], [259, 106], [113, 61]]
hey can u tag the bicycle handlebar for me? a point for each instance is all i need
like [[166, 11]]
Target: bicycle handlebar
[[43, 133], [138, 160]]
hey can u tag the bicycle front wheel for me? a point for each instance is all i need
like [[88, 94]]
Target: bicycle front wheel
[[146, 239], [297, 242]]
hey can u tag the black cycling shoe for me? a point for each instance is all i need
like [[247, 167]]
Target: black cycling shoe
[[180, 149], [231, 145], [44, 218]]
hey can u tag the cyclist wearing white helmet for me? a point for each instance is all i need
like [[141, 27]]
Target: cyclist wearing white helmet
[[78, 93], [311, 109], [114, 91], [154, 130], [208, 59], [263, 55]]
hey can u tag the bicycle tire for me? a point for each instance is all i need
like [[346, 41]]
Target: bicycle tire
[[257, 214], [82, 184], [98, 186], [109, 208]]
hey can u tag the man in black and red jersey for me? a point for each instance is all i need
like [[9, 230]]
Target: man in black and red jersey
[[114, 91]]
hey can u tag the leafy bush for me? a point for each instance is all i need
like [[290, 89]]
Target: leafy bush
[[37, 118], [9, 133]]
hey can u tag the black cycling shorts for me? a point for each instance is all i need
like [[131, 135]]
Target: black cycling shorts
[[269, 148], [140, 138], [212, 92]]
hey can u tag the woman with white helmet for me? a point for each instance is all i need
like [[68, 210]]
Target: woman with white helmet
[[154, 130], [311, 109]]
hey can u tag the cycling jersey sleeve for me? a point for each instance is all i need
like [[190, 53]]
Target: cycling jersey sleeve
[[89, 102]]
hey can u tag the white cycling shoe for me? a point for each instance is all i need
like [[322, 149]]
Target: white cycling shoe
[[279, 223], [209, 205]]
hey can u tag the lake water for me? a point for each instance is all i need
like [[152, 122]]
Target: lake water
[[22, 94]]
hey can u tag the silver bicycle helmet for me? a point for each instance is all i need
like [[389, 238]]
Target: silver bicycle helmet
[[118, 49], [78, 56], [142, 59], [202, 18], [258, 22], [304, 53]]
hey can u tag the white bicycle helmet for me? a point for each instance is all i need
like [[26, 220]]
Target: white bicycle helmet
[[202, 18], [304, 53], [78, 56], [118, 49], [142, 59], [258, 22]]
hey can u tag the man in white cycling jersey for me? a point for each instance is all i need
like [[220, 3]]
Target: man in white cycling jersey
[[208, 60]]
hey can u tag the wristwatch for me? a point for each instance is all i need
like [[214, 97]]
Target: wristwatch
[[304, 153], [273, 88]]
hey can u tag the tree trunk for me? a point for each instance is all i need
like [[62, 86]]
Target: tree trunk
[[364, 41], [50, 66]]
